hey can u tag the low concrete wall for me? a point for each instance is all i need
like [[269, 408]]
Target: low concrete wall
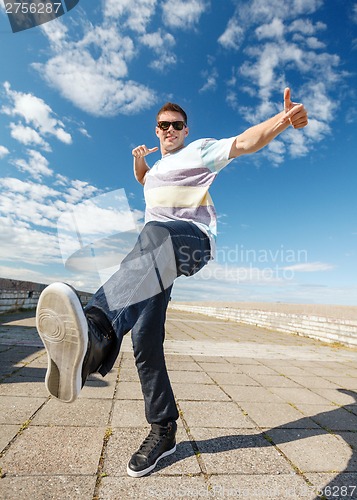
[[325, 328], [18, 295]]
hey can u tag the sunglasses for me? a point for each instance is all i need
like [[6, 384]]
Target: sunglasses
[[178, 125]]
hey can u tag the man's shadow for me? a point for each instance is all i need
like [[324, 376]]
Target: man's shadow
[[288, 433]]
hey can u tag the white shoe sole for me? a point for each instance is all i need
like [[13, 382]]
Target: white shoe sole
[[140, 473], [63, 329]]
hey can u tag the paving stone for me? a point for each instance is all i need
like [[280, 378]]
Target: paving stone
[[184, 366], [80, 413], [155, 487], [96, 385], [18, 385], [219, 367], [199, 392], [129, 390], [274, 381], [251, 394], [129, 375], [17, 409], [189, 377], [210, 360], [130, 414], [334, 486], [268, 415], [330, 417], [348, 383], [238, 379], [298, 395], [240, 361], [50, 451], [45, 488], [290, 486], [214, 414], [313, 382], [258, 369], [338, 396], [238, 451], [7, 432], [314, 450]]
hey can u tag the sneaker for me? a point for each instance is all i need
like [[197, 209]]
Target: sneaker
[[74, 345], [160, 443]]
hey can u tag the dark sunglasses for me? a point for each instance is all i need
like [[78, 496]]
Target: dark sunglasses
[[178, 125]]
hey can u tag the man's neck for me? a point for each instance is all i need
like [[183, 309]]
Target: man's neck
[[164, 152]]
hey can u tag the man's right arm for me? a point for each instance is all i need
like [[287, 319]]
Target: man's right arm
[[140, 166]]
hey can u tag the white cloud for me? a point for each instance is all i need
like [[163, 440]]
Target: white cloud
[[28, 136], [354, 13], [3, 152], [36, 165], [162, 45], [317, 130], [133, 15], [288, 42], [310, 267], [183, 13], [306, 27], [273, 30], [96, 83], [262, 11], [35, 112], [32, 189], [233, 36], [210, 78]]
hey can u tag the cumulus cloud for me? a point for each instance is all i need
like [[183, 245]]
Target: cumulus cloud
[[183, 13], [288, 42], [36, 165], [3, 152], [91, 70], [233, 35], [35, 112], [28, 136], [133, 15], [162, 44]]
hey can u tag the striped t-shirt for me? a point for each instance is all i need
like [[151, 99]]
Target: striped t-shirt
[[176, 187]]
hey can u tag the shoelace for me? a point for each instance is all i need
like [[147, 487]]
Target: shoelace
[[151, 441]]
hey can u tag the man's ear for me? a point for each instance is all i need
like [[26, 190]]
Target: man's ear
[[187, 130]]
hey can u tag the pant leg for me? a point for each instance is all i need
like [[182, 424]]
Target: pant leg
[[191, 249], [148, 336]]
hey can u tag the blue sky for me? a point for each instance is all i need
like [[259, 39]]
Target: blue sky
[[78, 93]]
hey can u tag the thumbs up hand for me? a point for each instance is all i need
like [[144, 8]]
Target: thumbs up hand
[[295, 113]]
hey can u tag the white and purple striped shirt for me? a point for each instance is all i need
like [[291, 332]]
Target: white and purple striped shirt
[[176, 187]]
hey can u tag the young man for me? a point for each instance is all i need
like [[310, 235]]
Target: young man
[[178, 239]]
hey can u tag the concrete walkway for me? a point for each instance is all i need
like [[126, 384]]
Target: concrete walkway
[[262, 415]]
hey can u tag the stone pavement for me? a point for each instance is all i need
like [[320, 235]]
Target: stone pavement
[[262, 415]]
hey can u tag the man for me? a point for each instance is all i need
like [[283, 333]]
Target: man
[[178, 239]]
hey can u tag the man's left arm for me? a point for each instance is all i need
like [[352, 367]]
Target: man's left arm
[[255, 138]]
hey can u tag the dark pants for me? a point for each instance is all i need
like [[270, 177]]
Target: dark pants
[[136, 298]]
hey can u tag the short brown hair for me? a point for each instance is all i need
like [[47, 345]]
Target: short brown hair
[[171, 106]]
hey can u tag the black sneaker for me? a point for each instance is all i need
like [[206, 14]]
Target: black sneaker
[[160, 443], [74, 345]]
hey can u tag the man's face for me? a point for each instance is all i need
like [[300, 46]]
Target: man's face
[[171, 140]]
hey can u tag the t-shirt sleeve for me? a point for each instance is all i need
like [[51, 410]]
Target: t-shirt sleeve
[[215, 153]]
